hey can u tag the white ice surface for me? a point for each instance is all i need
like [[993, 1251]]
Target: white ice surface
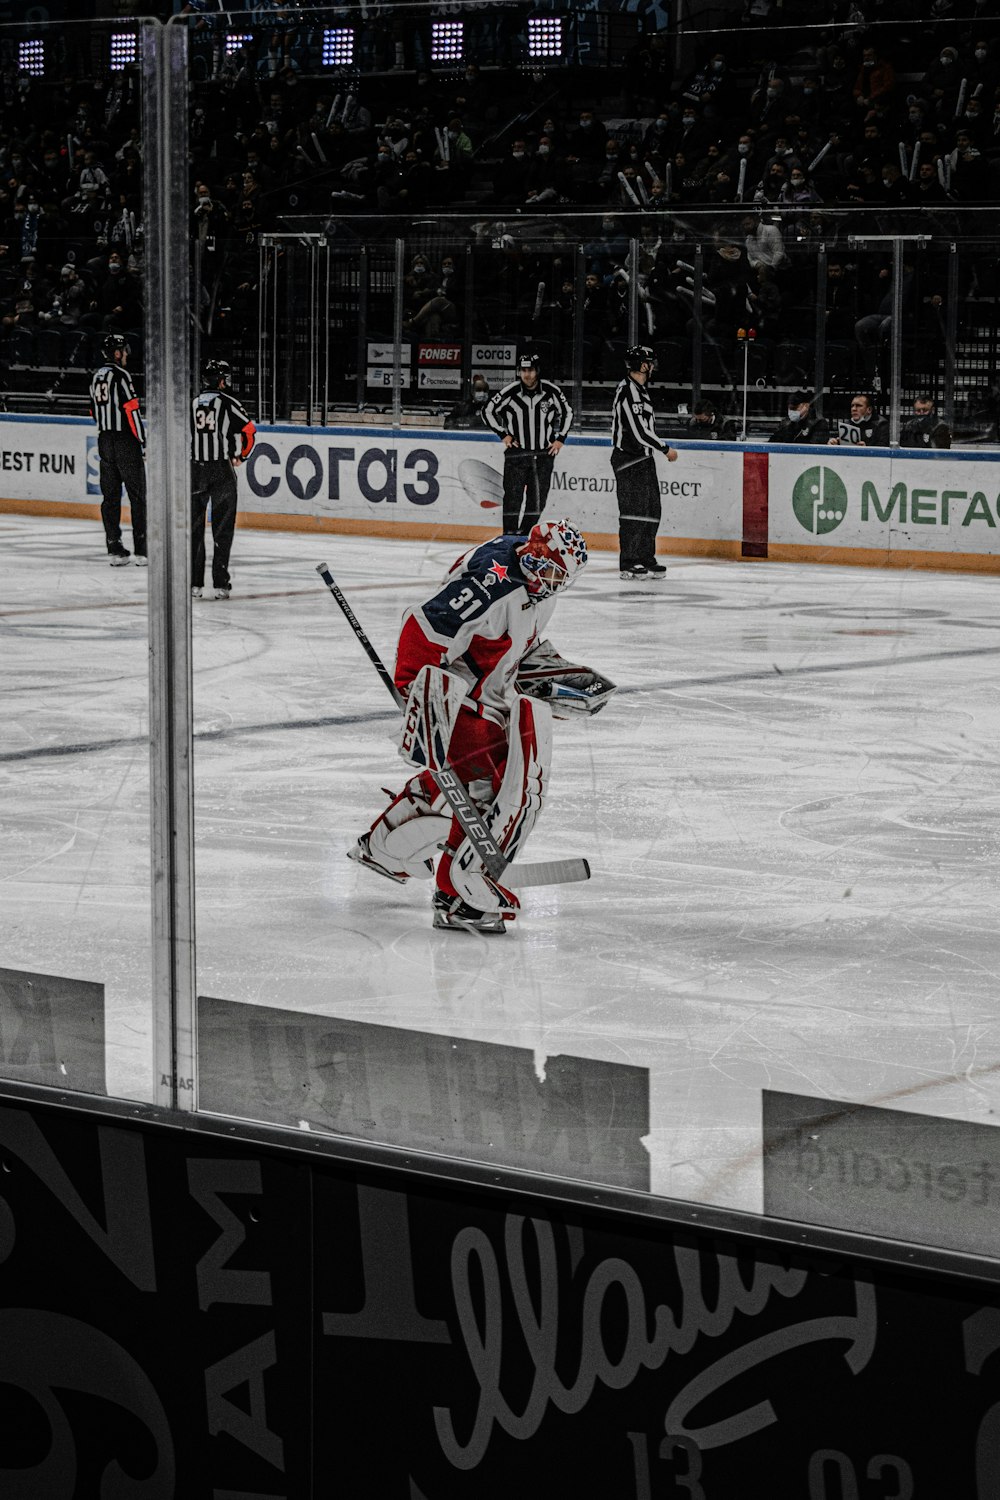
[[790, 808]]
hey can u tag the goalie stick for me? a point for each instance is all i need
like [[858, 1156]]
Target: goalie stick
[[495, 862]]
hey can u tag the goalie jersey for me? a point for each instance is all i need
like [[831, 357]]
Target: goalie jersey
[[480, 625]]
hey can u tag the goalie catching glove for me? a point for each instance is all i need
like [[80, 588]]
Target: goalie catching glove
[[568, 690]]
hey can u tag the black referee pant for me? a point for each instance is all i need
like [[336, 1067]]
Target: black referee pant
[[639, 507], [121, 464], [526, 480], [213, 484]]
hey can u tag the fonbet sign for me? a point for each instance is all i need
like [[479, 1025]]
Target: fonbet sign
[[947, 504]]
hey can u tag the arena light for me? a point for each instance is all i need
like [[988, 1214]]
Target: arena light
[[235, 40], [545, 36], [338, 47], [124, 49], [447, 41], [31, 58]]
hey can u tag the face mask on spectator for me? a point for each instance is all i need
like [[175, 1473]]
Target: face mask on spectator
[[115, 267], [794, 415], [688, 119], [946, 59], [914, 117], [797, 181], [543, 150], [517, 155], [585, 122], [744, 148], [981, 54], [718, 66]]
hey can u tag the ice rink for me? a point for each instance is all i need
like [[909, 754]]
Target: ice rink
[[790, 809]]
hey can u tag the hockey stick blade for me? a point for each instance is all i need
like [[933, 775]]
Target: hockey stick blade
[[497, 866], [546, 872]]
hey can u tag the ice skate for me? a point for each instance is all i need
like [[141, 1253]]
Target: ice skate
[[118, 556], [451, 912], [634, 570]]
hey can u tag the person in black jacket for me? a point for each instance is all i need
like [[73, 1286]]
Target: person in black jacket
[[802, 424], [862, 429], [925, 428], [469, 411]]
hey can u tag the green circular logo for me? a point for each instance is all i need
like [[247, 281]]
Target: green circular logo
[[819, 500]]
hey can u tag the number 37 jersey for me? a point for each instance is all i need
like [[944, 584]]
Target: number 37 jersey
[[479, 625]]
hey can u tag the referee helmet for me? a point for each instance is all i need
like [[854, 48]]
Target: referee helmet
[[114, 343], [639, 355], [216, 373]]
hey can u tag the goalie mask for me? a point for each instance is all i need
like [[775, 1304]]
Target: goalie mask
[[551, 557]]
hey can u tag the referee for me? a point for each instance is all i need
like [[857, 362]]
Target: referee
[[121, 447], [532, 418], [223, 437], [633, 444]]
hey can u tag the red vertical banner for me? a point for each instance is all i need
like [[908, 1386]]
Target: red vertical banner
[[755, 505]]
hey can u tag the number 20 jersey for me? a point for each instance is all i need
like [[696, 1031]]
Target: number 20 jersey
[[480, 625]]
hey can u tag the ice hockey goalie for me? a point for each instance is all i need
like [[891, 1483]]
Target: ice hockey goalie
[[481, 685]]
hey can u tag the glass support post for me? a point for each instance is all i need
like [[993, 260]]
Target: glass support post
[[168, 402], [362, 350], [397, 335], [950, 334], [819, 371], [696, 342], [581, 293], [896, 330], [633, 292]]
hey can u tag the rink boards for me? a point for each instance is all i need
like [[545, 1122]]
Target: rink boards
[[877, 507]]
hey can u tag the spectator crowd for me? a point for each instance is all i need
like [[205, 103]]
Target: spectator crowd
[[754, 153]]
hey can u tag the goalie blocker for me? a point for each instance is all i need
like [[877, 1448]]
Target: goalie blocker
[[473, 669]]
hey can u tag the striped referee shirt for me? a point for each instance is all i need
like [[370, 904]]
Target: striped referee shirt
[[221, 428], [114, 404], [632, 420], [534, 418]]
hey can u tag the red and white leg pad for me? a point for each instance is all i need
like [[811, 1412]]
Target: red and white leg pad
[[410, 832], [515, 807]]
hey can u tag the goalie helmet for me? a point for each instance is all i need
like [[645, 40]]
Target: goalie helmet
[[552, 557], [639, 355], [114, 343], [216, 373]]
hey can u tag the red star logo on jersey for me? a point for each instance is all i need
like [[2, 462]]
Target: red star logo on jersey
[[500, 572]]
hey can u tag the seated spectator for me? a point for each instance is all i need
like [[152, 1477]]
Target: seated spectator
[[547, 180], [863, 429], [896, 189], [764, 243], [875, 81], [925, 429], [468, 412], [942, 82], [801, 424], [707, 426], [510, 180], [799, 191]]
